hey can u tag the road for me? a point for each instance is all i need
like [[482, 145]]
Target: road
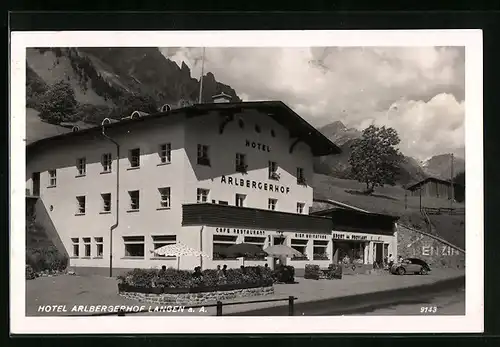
[[451, 303]]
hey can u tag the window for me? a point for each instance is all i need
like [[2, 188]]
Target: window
[[300, 207], [99, 246], [301, 246], [221, 202], [319, 250], [203, 158], [106, 162], [106, 202], [241, 165], [134, 157], [241, 123], [164, 197], [165, 153], [300, 176], [86, 246], [202, 195], [259, 241], [80, 200], [134, 199], [81, 166], [271, 204], [134, 246], [163, 240], [52, 178], [257, 128], [240, 200], [273, 134], [273, 171], [221, 242], [76, 246]]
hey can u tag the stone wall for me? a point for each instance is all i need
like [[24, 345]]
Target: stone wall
[[412, 244], [196, 298]]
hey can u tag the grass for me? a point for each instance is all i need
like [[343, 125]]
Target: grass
[[391, 200]]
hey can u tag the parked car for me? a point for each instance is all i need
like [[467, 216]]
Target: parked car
[[410, 266]]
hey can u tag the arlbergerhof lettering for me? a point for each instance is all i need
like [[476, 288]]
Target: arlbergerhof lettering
[[240, 182]]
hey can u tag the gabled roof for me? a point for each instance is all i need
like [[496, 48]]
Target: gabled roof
[[277, 110], [434, 179]]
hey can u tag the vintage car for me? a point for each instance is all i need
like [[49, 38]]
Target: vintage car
[[410, 266]]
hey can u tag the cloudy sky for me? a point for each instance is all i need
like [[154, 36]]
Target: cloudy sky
[[418, 91]]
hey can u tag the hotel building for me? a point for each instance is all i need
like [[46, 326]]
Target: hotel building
[[207, 175]]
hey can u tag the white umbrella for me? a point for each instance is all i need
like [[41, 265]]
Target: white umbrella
[[282, 251], [178, 250]]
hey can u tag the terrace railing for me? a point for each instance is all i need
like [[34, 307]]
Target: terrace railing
[[444, 210], [218, 305]]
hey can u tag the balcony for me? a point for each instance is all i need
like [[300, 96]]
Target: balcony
[[242, 168], [203, 161], [274, 176], [30, 194], [301, 181], [252, 218]]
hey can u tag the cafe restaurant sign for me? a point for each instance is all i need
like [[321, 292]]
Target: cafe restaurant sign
[[238, 231], [355, 237]]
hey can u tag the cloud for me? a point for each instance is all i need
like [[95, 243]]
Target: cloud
[[357, 86]]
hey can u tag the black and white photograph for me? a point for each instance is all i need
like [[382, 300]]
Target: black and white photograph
[[246, 177]]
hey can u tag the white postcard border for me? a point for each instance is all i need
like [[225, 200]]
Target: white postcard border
[[473, 321]]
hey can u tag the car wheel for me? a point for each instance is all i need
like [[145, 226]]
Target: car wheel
[[401, 271], [423, 271]]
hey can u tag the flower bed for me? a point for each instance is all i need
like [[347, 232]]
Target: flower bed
[[196, 298], [46, 259], [284, 274], [312, 272], [181, 281]]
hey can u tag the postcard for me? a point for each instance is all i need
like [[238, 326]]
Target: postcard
[[253, 181]]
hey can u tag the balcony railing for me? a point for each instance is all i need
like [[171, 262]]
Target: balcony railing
[[204, 161], [274, 176], [242, 168]]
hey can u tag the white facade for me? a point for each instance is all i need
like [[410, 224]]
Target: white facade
[[170, 174], [256, 135]]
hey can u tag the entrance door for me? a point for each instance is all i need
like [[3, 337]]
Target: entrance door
[[36, 183], [379, 253]]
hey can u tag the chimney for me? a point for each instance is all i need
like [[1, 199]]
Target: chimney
[[222, 97]]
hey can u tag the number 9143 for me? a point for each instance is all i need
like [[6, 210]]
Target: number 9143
[[428, 309]]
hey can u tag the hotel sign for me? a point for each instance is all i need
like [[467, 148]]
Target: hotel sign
[[238, 231], [354, 237], [257, 145], [240, 182], [312, 236]]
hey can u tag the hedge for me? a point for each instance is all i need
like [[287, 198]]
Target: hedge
[[47, 258], [284, 274], [256, 276]]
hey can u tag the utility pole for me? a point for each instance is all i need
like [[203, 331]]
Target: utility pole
[[201, 77], [420, 194], [451, 180]]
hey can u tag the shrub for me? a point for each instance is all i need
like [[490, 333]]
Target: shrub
[[311, 272], [334, 271], [284, 274], [30, 274], [49, 258], [172, 278]]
